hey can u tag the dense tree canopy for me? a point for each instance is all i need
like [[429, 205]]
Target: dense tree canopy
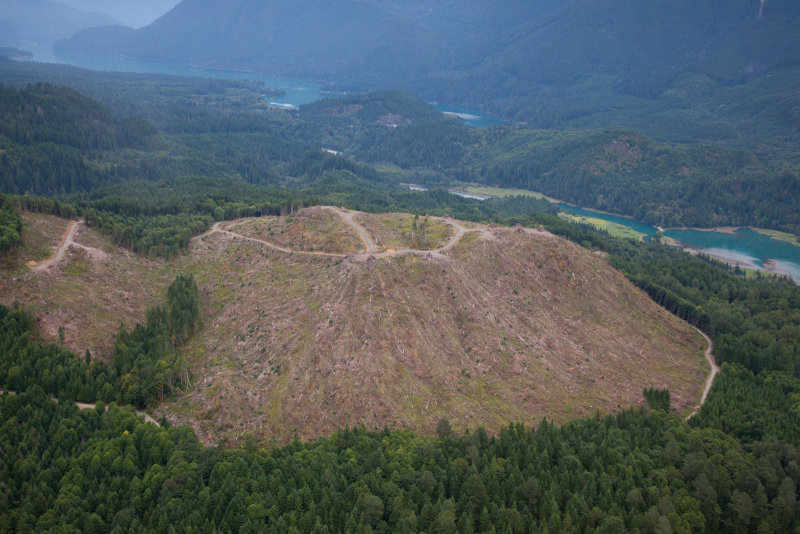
[[10, 224]]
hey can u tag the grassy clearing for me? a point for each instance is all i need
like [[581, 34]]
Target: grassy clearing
[[401, 231], [311, 229], [758, 273], [776, 234], [614, 229], [506, 192]]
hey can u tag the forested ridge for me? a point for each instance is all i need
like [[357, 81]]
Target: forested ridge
[[53, 140], [622, 171], [219, 129], [612, 169], [545, 62]]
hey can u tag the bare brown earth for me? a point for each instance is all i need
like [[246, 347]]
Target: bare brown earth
[[492, 326]]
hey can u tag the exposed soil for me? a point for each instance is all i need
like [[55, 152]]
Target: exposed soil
[[66, 240]]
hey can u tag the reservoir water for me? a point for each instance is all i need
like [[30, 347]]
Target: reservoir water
[[471, 117], [296, 92], [743, 246]]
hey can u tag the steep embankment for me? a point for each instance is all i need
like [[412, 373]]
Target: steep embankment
[[330, 317]]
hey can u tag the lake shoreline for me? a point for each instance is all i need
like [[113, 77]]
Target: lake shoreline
[[777, 262], [770, 266]]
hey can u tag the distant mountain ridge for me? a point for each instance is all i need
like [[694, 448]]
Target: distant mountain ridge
[[135, 14], [517, 56], [42, 20]]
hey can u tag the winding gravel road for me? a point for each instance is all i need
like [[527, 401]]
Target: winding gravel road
[[714, 371], [66, 241], [347, 217]]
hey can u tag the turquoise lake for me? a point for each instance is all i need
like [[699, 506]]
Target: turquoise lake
[[744, 246], [471, 117], [297, 92]]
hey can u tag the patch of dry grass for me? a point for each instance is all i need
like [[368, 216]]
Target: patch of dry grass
[[311, 229], [402, 231]]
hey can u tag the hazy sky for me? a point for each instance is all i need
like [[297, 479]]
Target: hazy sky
[[134, 13]]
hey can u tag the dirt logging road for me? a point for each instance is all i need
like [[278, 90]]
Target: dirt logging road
[[360, 230], [83, 406], [66, 240], [709, 354]]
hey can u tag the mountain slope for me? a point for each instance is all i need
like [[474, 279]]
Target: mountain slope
[[507, 325], [310, 334], [133, 14], [51, 139], [475, 52], [42, 20], [622, 171], [274, 33]]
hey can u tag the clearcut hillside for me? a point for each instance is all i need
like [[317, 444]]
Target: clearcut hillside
[[327, 318]]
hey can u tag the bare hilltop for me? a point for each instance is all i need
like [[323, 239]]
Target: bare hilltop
[[328, 317]]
